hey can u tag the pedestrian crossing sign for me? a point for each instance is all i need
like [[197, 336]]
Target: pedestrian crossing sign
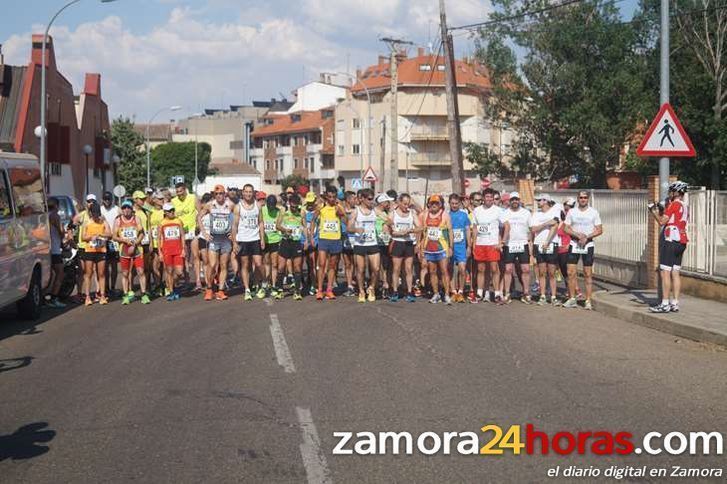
[[666, 137], [356, 184]]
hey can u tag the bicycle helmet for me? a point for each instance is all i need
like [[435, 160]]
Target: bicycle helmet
[[678, 186]]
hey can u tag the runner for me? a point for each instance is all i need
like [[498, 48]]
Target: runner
[[311, 242], [405, 229], [270, 213], [96, 233], [328, 219], [128, 233], [544, 228], [674, 220], [475, 201], [487, 244], [436, 246], [583, 224], [517, 221], [186, 207], [142, 215], [217, 235], [78, 223], [110, 211], [200, 245], [155, 278], [57, 234], [172, 249], [291, 224], [250, 236], [362, 223], [461, 249], [383, 238], [564, 246], [350, 201]]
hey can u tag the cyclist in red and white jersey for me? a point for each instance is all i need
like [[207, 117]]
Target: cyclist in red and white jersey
[[674, 219]]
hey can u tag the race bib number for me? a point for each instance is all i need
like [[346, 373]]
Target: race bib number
[[484, 230], [368, 236], [220, 225], [384, 238], [434, 233], [129, 233], [402, 227], [270, 227], [516, 248], [458, 235], [295, 232], [172, 233], [155, 233], [98, 243], [250, 223], [112, 246], [331, 227], [145, 239], [577, 249]]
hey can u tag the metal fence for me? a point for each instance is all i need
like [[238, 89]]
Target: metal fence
[[625, 222]]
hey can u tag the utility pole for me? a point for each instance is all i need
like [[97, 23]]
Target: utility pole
[[396, 49], [453, 128], [664, 91], [383, 154]]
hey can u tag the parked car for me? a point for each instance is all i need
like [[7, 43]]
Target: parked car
[[67, 208], [24, 234]]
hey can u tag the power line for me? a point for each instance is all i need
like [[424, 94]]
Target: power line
[[516, 16]]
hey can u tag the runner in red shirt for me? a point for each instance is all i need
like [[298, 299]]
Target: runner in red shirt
[[172, 249], [674, 219]]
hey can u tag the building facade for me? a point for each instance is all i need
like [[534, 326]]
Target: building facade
[[422, 141], [72, 122]]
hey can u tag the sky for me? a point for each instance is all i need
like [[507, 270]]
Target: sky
[[213, 53]]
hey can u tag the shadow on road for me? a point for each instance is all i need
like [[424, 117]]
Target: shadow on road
[[11, 324], [10, 364], [25, 443]]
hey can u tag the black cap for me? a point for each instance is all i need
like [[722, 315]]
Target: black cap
[[107, 196]]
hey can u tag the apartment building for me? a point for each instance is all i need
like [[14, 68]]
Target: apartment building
[[299, 143], [422, 145]]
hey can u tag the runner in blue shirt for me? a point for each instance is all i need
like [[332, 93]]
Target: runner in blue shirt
[[460, 251]]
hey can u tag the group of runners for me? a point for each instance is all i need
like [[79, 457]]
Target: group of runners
[[475, 248]]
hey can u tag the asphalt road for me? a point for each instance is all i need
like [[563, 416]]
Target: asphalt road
[[253, 392]]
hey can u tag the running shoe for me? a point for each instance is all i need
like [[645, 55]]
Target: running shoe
[[505, 300], [125, 301], [329, 295], [297, 297], [145, 299], [88, 302], [221, 296], [571, 303], [248, 295], [526, 299], [372, 295], [498, 300], [319, 295], [361, 298], [447, 300], [542, 301], [55, 303], [588, 306], [673, 307], [417, 292], [103, 300], [435, 299], [410, 298], [384, 293], [349, 292], [279, 295], [261, 293], [394, 297], [208, 295], [661, 308], [131, 295], [472, 298], [312, 291]]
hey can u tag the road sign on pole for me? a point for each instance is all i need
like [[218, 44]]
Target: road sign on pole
[[356, 184], [370, 175], [666, 136]]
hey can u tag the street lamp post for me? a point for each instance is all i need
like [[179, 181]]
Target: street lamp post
[[148, 153], [43, 96], [87, 150]]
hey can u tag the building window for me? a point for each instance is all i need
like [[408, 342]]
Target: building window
[[55, 169], [356, 123], [425, 67], [341, 149], [440, 67], [297, 163], [356, 149]]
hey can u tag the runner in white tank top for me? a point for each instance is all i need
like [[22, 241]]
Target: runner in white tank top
[[362, 222]]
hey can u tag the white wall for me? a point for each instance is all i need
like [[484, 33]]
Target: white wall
[[316, 95], [62, 185], [229, 181]]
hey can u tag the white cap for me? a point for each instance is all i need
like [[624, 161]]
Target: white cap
[[383, 198], [167, 207], [91, 196], [570, 201], [545, 196], [514, 195]]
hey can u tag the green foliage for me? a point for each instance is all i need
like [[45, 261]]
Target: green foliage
[[578, 92], [127, 145], [294, 181], [175, 159]]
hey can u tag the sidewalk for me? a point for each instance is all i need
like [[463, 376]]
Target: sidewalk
[[699, 319]]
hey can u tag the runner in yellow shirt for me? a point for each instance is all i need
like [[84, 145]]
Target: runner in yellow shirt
[[156, 217], [186, 207]]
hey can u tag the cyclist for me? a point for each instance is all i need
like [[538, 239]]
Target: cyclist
[[218, 235], [291, 224], [516, 221], [128, 233], [172, 249], [674, 220], [405, 228], [437, 246], [583, 224]]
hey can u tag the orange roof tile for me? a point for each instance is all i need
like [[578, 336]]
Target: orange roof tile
[[283, 124], [468, 74]]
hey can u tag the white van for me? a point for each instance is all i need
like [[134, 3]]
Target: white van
[[24, 234]]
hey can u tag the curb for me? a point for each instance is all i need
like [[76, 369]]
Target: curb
[[663, 323]]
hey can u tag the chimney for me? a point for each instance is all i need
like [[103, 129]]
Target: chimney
[[2, 57], [358, 74], [382, 60], [420, 52]]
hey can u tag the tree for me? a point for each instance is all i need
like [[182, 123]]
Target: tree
[[127, 145], [177, 159], [578, 92], [294, 181]]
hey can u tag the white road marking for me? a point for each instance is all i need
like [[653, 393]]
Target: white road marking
[[314, 461], [268, 301], [282, 352]]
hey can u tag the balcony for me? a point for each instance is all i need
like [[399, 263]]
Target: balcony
[[302, 172], [430, 159], [272, 175], [429, 133]]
